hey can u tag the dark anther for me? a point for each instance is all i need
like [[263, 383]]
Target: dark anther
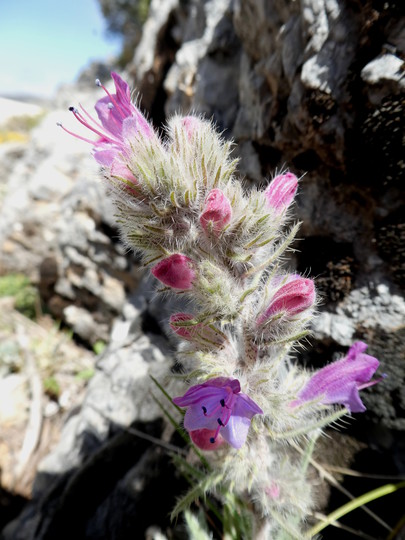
[[212, 440], [71, 109], [220, 422], [222, 402], [204, 409]]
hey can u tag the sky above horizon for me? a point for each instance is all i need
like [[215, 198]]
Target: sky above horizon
[[44, 43]]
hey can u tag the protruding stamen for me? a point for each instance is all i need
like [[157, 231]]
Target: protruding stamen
[[80, 118], [75, 134], [220, 422], [90, 117], [113, 100], [212, 440], [204, 410], [222, 402], [372, 383], [98, 83], [110, 106]]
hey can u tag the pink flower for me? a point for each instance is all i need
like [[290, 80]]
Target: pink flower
[[281, 191], [217, 212], [118, 120], [293, 298], [341, 381], [176, 271], [218, 408]]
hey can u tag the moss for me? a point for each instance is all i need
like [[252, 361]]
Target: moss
[[27, 301], [26, 296], [52, 388], [11, 284], [99, 347], [85, 374]]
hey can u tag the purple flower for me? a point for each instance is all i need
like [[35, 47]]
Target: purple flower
[[118, 120], [341, 381], [219, 407]]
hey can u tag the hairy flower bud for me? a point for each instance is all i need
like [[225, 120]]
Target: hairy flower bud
[[176, 271], [185, 331], [281, 191], [120, 170], [217, 212], [294, 297], [190, 124]]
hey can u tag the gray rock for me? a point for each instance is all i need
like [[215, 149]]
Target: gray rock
[[58, 227]]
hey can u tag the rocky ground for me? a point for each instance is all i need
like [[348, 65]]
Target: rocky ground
[[315, 86]]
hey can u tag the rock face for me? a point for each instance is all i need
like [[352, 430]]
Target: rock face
[[317, 86]]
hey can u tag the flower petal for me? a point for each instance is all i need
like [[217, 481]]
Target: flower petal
[[195, 419], [123, 93], [245, 406], [109, 116], [105, 156], [236, 430], [341, 381], [202, 439]]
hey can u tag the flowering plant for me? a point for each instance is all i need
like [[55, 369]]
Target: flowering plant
[[179, 205]]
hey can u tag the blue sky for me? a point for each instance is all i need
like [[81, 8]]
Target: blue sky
[[46, 42]]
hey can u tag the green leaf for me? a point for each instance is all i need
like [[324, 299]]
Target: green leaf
[[200, 490], [277, 253], [167, 396], [325, 421]]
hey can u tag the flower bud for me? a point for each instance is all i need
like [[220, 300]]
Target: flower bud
[[217, 212], [190, 124], [272, 491], [176, 271], [293, 298], [186, 331], [120, 170], [281, 191]]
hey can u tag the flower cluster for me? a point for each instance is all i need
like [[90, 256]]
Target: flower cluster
[[203, 237]]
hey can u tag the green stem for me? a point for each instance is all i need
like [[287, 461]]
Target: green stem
[[308, 455], [352, 505]]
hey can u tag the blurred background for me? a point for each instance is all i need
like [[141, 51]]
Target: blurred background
[[44, 45], [315, 87]]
